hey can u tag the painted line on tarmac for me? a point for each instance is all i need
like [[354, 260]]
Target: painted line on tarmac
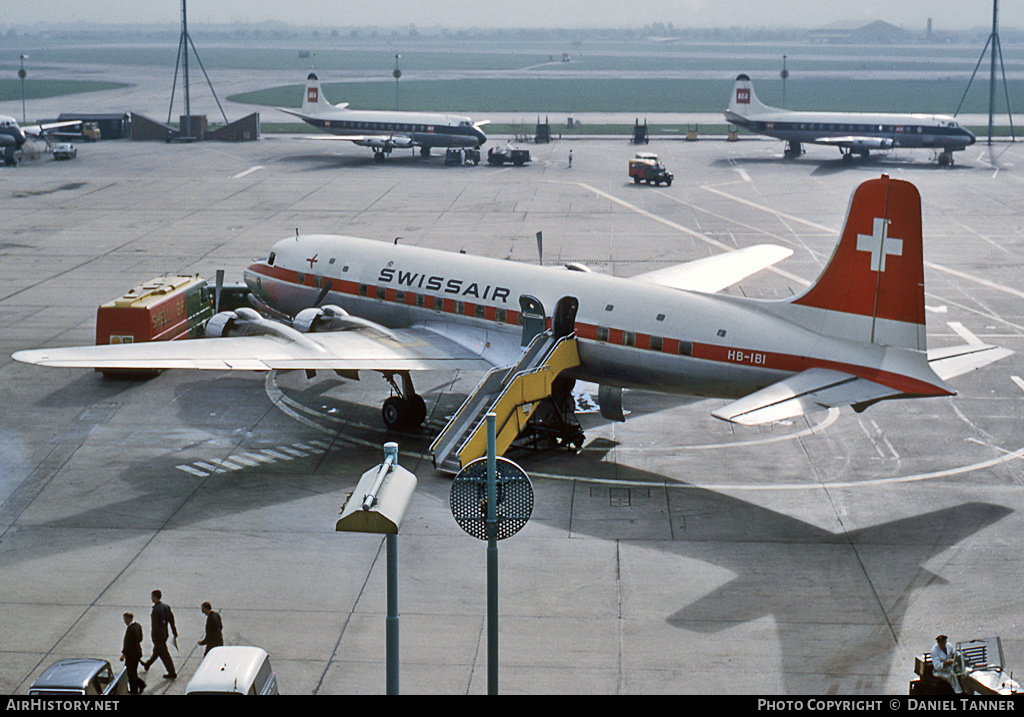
[[680, 228], [253, 458], [249, 171]]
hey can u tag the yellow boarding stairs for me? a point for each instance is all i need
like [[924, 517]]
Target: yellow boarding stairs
[[512, 394]]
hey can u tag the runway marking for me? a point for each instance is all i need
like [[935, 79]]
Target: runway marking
[[1019, 381], [249, 171], [874, 443], [885, 440], [984, 282], [964, 333], [252, 459], [769, 210], [678, 227]]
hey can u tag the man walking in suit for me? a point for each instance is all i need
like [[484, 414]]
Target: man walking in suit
[[131, 654], [162, 618], [214, 628]]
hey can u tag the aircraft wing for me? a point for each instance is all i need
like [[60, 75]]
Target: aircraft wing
[[413, 349], [954, 361], [38, 130], [856, 142], [812, 390], [715, 273]]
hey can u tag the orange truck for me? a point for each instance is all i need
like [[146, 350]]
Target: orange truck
[[162, 309]]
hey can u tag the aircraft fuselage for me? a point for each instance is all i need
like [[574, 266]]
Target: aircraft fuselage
[[631, 333], [423, 128], [894, 130]]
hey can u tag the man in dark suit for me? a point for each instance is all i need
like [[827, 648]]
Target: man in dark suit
[[131, 654], [214, 628], [162, 618]]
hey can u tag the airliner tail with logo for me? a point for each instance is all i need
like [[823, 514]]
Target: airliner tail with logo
[[851, 132], [855, 337], [384, 131]]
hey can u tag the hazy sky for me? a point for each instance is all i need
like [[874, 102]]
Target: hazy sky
[[911, 14]]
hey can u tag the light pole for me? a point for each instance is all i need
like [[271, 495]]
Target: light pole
[[22, 74], [784, 74], [396, 74]]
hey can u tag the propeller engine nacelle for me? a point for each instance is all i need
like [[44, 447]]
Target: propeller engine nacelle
[[387, 144], [240, 322], [334, 318], [322, 318]]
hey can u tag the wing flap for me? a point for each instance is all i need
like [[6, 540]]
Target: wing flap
[[717, 272], [812, 390]]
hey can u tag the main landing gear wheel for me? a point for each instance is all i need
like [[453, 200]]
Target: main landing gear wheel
[[405, 411], [401, 414]]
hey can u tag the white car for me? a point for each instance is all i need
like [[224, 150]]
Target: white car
[[234, 670], [65, 150]]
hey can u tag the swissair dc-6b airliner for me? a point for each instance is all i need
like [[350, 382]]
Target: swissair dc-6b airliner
[[855, 337], [851, 132], [384, 131]]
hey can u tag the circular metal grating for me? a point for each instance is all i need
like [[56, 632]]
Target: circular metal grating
[[514, 503]]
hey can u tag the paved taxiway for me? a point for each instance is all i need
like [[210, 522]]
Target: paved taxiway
[[676, 553]]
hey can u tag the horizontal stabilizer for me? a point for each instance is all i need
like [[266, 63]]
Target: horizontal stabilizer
[[954, 361], [717, 272], [812, 390]]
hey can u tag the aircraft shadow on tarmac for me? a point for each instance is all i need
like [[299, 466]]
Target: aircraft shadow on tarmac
[[870, 573], [835, 165], [328, 160], [870, 576]]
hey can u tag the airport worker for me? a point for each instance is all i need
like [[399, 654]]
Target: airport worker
[[131, 654], [570, 158], [162, 618], [942, 663], [214, 628]]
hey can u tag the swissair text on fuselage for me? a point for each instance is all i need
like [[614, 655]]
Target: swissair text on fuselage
[[461, 287]]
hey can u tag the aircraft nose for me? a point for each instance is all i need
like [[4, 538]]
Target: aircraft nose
[[971, 139], [480, 135]]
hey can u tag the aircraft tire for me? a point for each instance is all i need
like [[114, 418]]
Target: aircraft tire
[[401, 414], [395, 414]]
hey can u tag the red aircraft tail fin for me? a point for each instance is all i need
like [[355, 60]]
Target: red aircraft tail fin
[[873, 286]]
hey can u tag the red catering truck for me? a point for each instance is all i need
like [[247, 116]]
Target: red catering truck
[[162, 309]]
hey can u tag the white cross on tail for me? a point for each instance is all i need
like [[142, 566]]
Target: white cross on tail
[[879, 243]]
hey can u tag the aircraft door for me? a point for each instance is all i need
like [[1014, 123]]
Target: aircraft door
[[564, 321], [534, 322]]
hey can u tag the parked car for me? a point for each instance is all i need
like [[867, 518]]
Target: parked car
[[65, 150], [234, 670], [80, 676]]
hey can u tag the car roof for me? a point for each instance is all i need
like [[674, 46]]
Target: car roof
[[227, 669], [72, 673]]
